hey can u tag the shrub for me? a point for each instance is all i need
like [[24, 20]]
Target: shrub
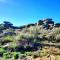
[[22, 56], [7, 55], [43, 53], [28, 53], [35, 55], [1, 51], [20, 36], [15, 55], [12, 45], [54, 35], [40, 22], [58, 37], [8, 38]]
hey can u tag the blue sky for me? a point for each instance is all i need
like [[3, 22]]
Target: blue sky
[[21, 12]]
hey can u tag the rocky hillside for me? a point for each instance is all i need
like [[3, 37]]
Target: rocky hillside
[[36, 41]]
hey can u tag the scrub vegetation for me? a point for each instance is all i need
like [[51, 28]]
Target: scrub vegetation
[[33, 41]]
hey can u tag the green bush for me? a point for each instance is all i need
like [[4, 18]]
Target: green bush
[[15, 55], [28, 53], [43, 53], [20, 36], [10, 55], [22, 52], [22, 55], [8, 38], [7, 55], [1, 51]]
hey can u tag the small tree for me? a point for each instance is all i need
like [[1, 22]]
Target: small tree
[[40, 22], [7, 24]]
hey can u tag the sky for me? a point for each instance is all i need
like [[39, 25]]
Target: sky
[[22, 12]]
